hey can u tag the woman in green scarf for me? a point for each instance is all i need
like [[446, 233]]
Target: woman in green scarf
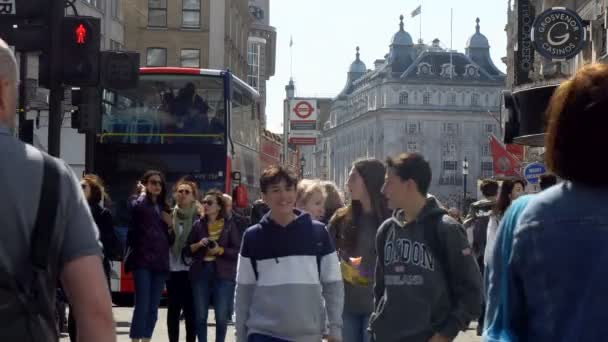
[[179, 292]]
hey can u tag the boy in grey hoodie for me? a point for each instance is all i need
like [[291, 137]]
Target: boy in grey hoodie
[[428, 285]]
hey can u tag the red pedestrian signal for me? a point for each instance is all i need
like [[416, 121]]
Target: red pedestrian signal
[[81, 34]]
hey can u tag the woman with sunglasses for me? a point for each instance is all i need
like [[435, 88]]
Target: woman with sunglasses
[[179, 291], [149, 239], [214, 245]]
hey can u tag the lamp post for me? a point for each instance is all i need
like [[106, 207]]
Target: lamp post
[[465, 173], [302, 164]]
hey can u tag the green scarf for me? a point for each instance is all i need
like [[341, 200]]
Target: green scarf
[[185, 217]]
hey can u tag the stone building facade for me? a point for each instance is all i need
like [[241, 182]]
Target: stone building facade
[[421, 98]]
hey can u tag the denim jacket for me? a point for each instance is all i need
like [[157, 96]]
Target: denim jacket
[[557, 272]]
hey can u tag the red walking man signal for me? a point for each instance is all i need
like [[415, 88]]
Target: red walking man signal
[[81, 34]]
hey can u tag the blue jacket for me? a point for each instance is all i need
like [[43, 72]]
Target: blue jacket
[[556, 272], [150, 236]]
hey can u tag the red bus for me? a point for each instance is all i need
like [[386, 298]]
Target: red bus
[[200, 123]]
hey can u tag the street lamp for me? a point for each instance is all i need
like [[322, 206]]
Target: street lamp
[[302, 163], [465, 173]]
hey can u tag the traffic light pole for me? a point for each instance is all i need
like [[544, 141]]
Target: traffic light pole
[[26, 128], [56, 89]]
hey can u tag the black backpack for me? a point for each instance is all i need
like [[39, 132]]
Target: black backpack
[[479, 226], [27, 309]]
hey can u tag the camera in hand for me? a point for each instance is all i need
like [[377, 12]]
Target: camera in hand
[[212, 244]]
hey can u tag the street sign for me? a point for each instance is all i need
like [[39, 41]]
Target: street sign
[[303, 122], [8, 7], [558, 33], [533, 171]]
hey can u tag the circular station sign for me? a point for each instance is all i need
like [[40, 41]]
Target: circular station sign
[[303, 109], [558, 33]]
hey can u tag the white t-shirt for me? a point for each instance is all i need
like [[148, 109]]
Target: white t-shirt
[[491, 237]]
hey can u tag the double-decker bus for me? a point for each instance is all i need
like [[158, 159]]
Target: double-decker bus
[[199, 123]]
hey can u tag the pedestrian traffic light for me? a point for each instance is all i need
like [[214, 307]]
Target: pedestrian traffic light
[[87, 116], [80, 49]]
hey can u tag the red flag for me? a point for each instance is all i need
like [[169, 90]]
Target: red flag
[[505, 164], [516, 150]]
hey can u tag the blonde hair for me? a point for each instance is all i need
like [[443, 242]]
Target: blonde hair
[[306, 189]]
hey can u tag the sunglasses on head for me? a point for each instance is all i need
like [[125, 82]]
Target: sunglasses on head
[[208, 202], [184, 191]]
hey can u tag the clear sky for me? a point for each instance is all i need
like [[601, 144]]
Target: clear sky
[[326, 32]]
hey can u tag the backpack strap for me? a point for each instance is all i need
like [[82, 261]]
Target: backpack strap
[[44, 226]]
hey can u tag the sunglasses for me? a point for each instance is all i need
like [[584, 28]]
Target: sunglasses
[[209, 203], [184, 191], [155, 182]]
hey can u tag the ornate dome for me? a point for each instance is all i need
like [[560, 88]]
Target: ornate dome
[[358, 66], [402, 37], [478, 40]]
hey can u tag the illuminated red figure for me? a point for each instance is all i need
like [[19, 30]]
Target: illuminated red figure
[[81, 34]]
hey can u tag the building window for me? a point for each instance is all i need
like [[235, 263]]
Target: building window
[[157, 13], [413, 128], [412, 146], [156, 57], [487, 169], [426, 98], [95, 3], [485, 150], [191, 13], [253, 59], [190, 58], [403, 98], [116, 46], [475, 100], [116, 9], [450, 128], [449, 149], [450, 165], [490, 128], [452, 99]]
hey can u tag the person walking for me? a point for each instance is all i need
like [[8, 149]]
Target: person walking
[[428, 284], [48, 235], [354, 229], [213, 245], [150, 239], [179, 290]]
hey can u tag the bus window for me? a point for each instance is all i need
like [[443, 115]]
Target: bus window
[[165, 109]]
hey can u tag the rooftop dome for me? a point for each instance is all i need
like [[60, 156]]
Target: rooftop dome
[[478, 40], [402, 37], [358, 66]]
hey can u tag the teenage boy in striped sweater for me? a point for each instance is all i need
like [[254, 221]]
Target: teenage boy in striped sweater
[[287, 267]]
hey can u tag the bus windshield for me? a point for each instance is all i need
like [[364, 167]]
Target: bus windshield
[[166, 109]]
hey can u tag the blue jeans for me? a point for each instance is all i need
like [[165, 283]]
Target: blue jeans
[[354, 327], [148, 289], [206, 287]]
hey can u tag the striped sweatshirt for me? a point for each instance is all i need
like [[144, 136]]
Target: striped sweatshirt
[[284, 275]]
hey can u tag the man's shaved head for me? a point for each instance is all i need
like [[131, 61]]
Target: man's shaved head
[[8, 85], [8, 63]]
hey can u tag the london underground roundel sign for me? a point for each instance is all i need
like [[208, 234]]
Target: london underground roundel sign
[[303, 109], [558, 33]]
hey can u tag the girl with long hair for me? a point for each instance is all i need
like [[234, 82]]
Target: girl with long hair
[[179, 292], [354, 230], [510, 190], [150, 240], [333, 200], [214, 245]]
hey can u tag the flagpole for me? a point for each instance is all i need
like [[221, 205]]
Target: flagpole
[[291, 57], [420, 39], [451, 41]]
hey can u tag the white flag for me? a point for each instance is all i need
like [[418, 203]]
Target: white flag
[[417, 11]]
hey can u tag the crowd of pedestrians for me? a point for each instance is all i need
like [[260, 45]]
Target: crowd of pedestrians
[[391, 264]]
